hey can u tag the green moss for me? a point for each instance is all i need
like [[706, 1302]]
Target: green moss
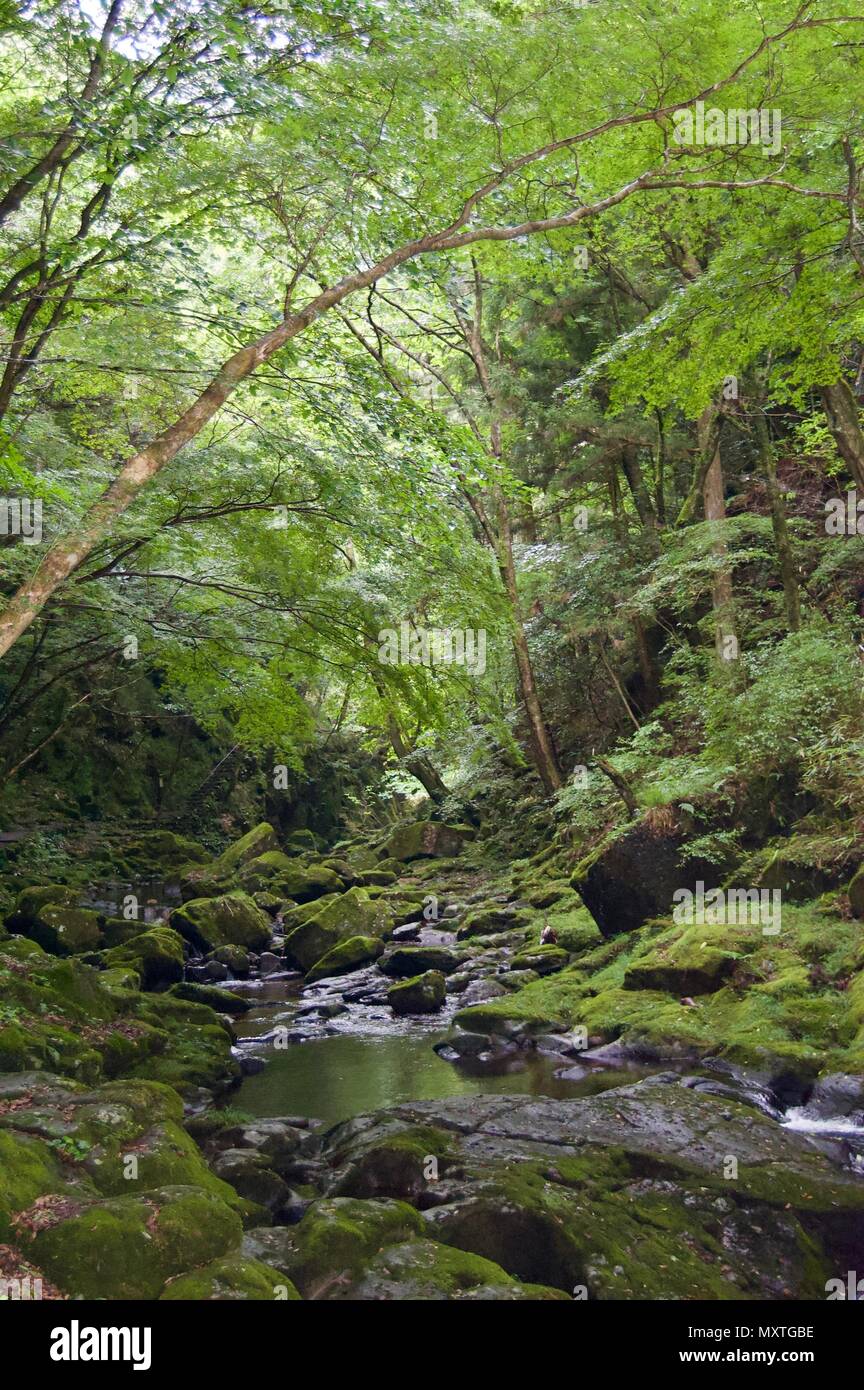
[[230, 920], [127, 1248], [232, 1278], [156, 956], [347, 956], [338, 1236]]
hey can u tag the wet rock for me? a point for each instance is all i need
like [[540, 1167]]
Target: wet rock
[[346, 956], [409, 932], [413, 960], [539, 1190], [345, 915], [424, 994], [268, 961], [250, 1174], [223, 1000]]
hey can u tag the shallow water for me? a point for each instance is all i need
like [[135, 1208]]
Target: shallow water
[[336, 1077]]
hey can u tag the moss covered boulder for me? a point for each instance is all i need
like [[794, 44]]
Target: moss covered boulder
[[545, 960], [633, 875], [348, 955], [426, 839], [221, 1000], [50, 917], [234, 1278], [490, 919], [426, 1271], [306, 882], [155, 955], [423, 994], [230, 920], [413, 960], [342, 916], [211, 879], [127, 1247], [334, 1242]]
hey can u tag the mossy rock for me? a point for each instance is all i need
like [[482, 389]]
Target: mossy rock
[[233, 1278], [32, 900], [155, 955], [235, 958], [28, 1170], [376, 878], [261, 839], [342, 916], [230, 920], [257, 874], [335, 1241], [545, 960], [425, 839], [306, 882], [221, 1000], [129, 1247], [413, 960], [426, 1271], [489, 919], [163, 849], [347, 956], [300, 840], [633, 875], [116, 931], [64, 931], [423, 994]]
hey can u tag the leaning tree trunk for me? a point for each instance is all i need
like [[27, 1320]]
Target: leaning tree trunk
[[841, 409]]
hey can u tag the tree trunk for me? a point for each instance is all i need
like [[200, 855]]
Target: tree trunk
[[841, 409], [416, 763], [791, 593], [545, 756], [725, 640]]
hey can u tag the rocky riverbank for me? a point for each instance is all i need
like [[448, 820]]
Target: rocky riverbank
[[128, 1172]]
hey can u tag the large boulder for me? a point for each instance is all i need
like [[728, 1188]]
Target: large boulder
[[633, 876], [156, 956], [426, 840], [306, 882], [342, 916], [334, 1242], [424, 994], [50, 917], [231, 1279], [230, 920], [348, 955], [208, 880], [413, 960], [553, 1191]]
